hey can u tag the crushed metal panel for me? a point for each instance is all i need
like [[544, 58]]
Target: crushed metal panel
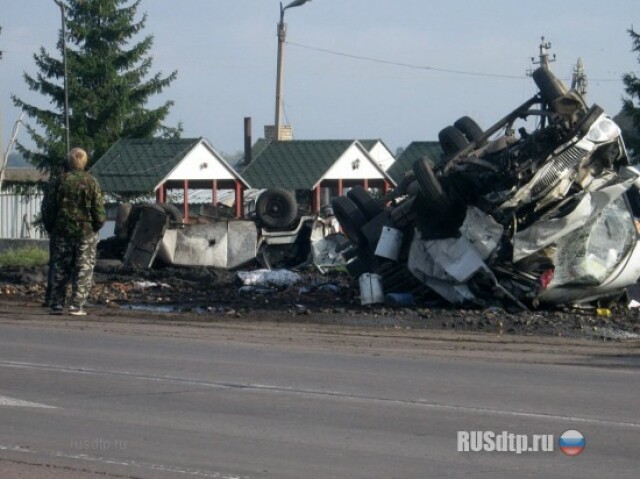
[[482, 231], [146, 237], [445, 265], [242, 243], [326, 251], [627, 273], [589, 254], [598, 260], [546, 232], [196, 245], [430, 262], [224, 244]]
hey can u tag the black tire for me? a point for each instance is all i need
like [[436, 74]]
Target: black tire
[[469, 128], [430, 185], [175, 215], [276, 208], [401, 188], [550, 87], [363, 200], [121, 229], [351, 219], [452, 140], [406, 180], [413, 189]]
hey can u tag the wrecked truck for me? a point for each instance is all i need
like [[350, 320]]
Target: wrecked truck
[[539, 209], [275, 233]]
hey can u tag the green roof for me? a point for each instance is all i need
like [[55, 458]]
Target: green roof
[[139, 165], [259, 146], [414, 151], [294, 165]]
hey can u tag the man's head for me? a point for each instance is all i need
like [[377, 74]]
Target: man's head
[[77, 159]]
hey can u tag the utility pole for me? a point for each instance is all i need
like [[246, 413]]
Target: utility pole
[[282, 36], [66, 81], [579, 80], [544, 54]]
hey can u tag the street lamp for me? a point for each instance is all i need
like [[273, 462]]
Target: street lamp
[[64, 62], [282, 34]]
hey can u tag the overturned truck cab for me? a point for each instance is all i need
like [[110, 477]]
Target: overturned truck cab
[[274, 233]]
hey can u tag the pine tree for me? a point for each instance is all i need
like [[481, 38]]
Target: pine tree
[[631, 104], [108, 84]]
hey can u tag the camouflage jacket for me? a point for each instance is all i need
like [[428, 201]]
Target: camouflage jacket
[[48, 203], [75, 209]]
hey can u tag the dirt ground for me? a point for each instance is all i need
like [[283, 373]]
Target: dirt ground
[[205, 294]]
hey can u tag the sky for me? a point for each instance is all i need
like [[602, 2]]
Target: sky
[[396, 70]]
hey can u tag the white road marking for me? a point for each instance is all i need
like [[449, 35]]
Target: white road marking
[[121, 462], [320, 393], [6, 401]]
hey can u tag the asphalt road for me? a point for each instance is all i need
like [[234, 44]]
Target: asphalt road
[[99, 399]]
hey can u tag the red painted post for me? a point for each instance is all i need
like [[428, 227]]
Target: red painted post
[[239, 200], [317, 199], [186, 200]]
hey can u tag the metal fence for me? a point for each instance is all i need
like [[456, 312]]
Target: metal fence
[[17, 214]]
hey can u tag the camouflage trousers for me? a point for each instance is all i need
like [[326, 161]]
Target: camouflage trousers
[[74, 262]]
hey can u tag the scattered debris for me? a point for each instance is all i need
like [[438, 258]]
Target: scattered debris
[[264, 277], [205, 294], [142, 285]]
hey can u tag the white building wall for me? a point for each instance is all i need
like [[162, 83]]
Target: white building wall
[[201, 164], [382, 156], [17, 214], [353, 165]]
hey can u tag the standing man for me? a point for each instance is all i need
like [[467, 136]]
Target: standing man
[[49, 220], [78, 208]]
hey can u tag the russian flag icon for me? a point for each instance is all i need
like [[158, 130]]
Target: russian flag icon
[[572, 442]]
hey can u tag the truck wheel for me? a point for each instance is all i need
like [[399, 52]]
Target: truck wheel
[[452, 140], [175, 215], [276, 208], [469, 128], [363, 200], [351, 219], [430, 185], [121, 229]]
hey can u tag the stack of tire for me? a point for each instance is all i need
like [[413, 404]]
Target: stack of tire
[[420, 200]]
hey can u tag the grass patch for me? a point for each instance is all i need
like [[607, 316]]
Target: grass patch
[[24, 257]]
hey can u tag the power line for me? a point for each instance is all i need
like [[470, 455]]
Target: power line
[[425, 67]]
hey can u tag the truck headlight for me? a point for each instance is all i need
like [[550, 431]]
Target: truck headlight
[[603, 130]]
